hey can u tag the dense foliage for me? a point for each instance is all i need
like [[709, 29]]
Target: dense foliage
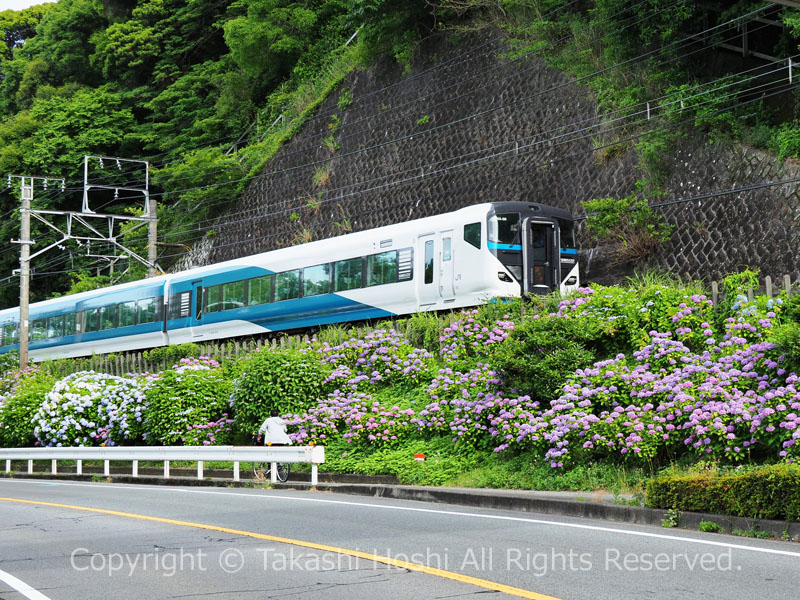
[[209, 90], [275, 382], [24, 392], [187, 404]]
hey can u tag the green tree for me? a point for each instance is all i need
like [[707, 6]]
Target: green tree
[[63, 39], [78, 122], [267, 42]]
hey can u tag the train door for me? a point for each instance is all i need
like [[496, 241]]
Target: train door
[[428, 281], [446, 283], [540, 258], [197, 309]]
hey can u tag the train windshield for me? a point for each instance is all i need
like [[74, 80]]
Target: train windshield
[[504, 228], [567, 230]]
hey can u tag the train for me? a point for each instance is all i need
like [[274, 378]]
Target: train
[[448, 261]]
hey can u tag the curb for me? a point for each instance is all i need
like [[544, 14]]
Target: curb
[[545, 503]]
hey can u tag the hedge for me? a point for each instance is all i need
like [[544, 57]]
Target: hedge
[[771, 492]]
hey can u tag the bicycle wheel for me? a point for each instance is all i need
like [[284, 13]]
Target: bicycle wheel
[[261, 471], [283, 472]]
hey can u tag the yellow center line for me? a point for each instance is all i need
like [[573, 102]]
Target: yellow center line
[[402, 564]]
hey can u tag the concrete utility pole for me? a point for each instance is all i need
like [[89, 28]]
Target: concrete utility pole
[[25, 242]]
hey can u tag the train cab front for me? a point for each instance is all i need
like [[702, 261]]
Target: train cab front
[[536, 244]]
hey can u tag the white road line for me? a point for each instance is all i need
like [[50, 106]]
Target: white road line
[[446, 512], [22, 587]]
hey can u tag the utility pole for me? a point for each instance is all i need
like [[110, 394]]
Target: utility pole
[[25, 242]]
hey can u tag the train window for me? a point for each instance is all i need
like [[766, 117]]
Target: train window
[[55, 327], [539, 242], [429, 261], [382, 268], [259, 290], [147, 310], [127, 314], [10, 335], [69, 324], [287, 285], [472, 234], [504, 228], [213, 299], [447, 251], [108, 317], [90, 320], [567, 230], [348, 274], [198, 303], [232, 295], [316, 280], [38, 330]]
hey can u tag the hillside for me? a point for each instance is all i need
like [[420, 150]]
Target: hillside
[[269, 123], [466, 125]]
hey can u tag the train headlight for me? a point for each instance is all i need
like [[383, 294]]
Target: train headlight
[[503, 276]]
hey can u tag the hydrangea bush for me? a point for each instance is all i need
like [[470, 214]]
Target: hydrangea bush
[[698, 384], [24, 391], [193, 392], [90, 409]]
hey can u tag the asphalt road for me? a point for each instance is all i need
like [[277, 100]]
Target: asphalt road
[[168, 542]]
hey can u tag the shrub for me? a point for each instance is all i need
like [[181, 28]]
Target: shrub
[[709, 527], [23, 398], [278, 382], [9, 363], [89, 409], [384, 358], [539, 356], [167, 355], [422, 330], [766, 493], [787, 339], [191, 393], [628, 221], [787, 141], [473, 338]]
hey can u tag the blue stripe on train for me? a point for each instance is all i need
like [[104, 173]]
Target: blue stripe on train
[[288, 314], [301, 312], [496, 246]]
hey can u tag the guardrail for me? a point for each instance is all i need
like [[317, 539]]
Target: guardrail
[[235, 454]]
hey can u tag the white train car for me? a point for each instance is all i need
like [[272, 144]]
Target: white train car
[[454, 260]]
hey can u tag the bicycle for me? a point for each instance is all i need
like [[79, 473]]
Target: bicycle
[[262, 470]]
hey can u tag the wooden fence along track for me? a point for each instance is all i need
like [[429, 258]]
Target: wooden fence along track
[[220, 350]]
